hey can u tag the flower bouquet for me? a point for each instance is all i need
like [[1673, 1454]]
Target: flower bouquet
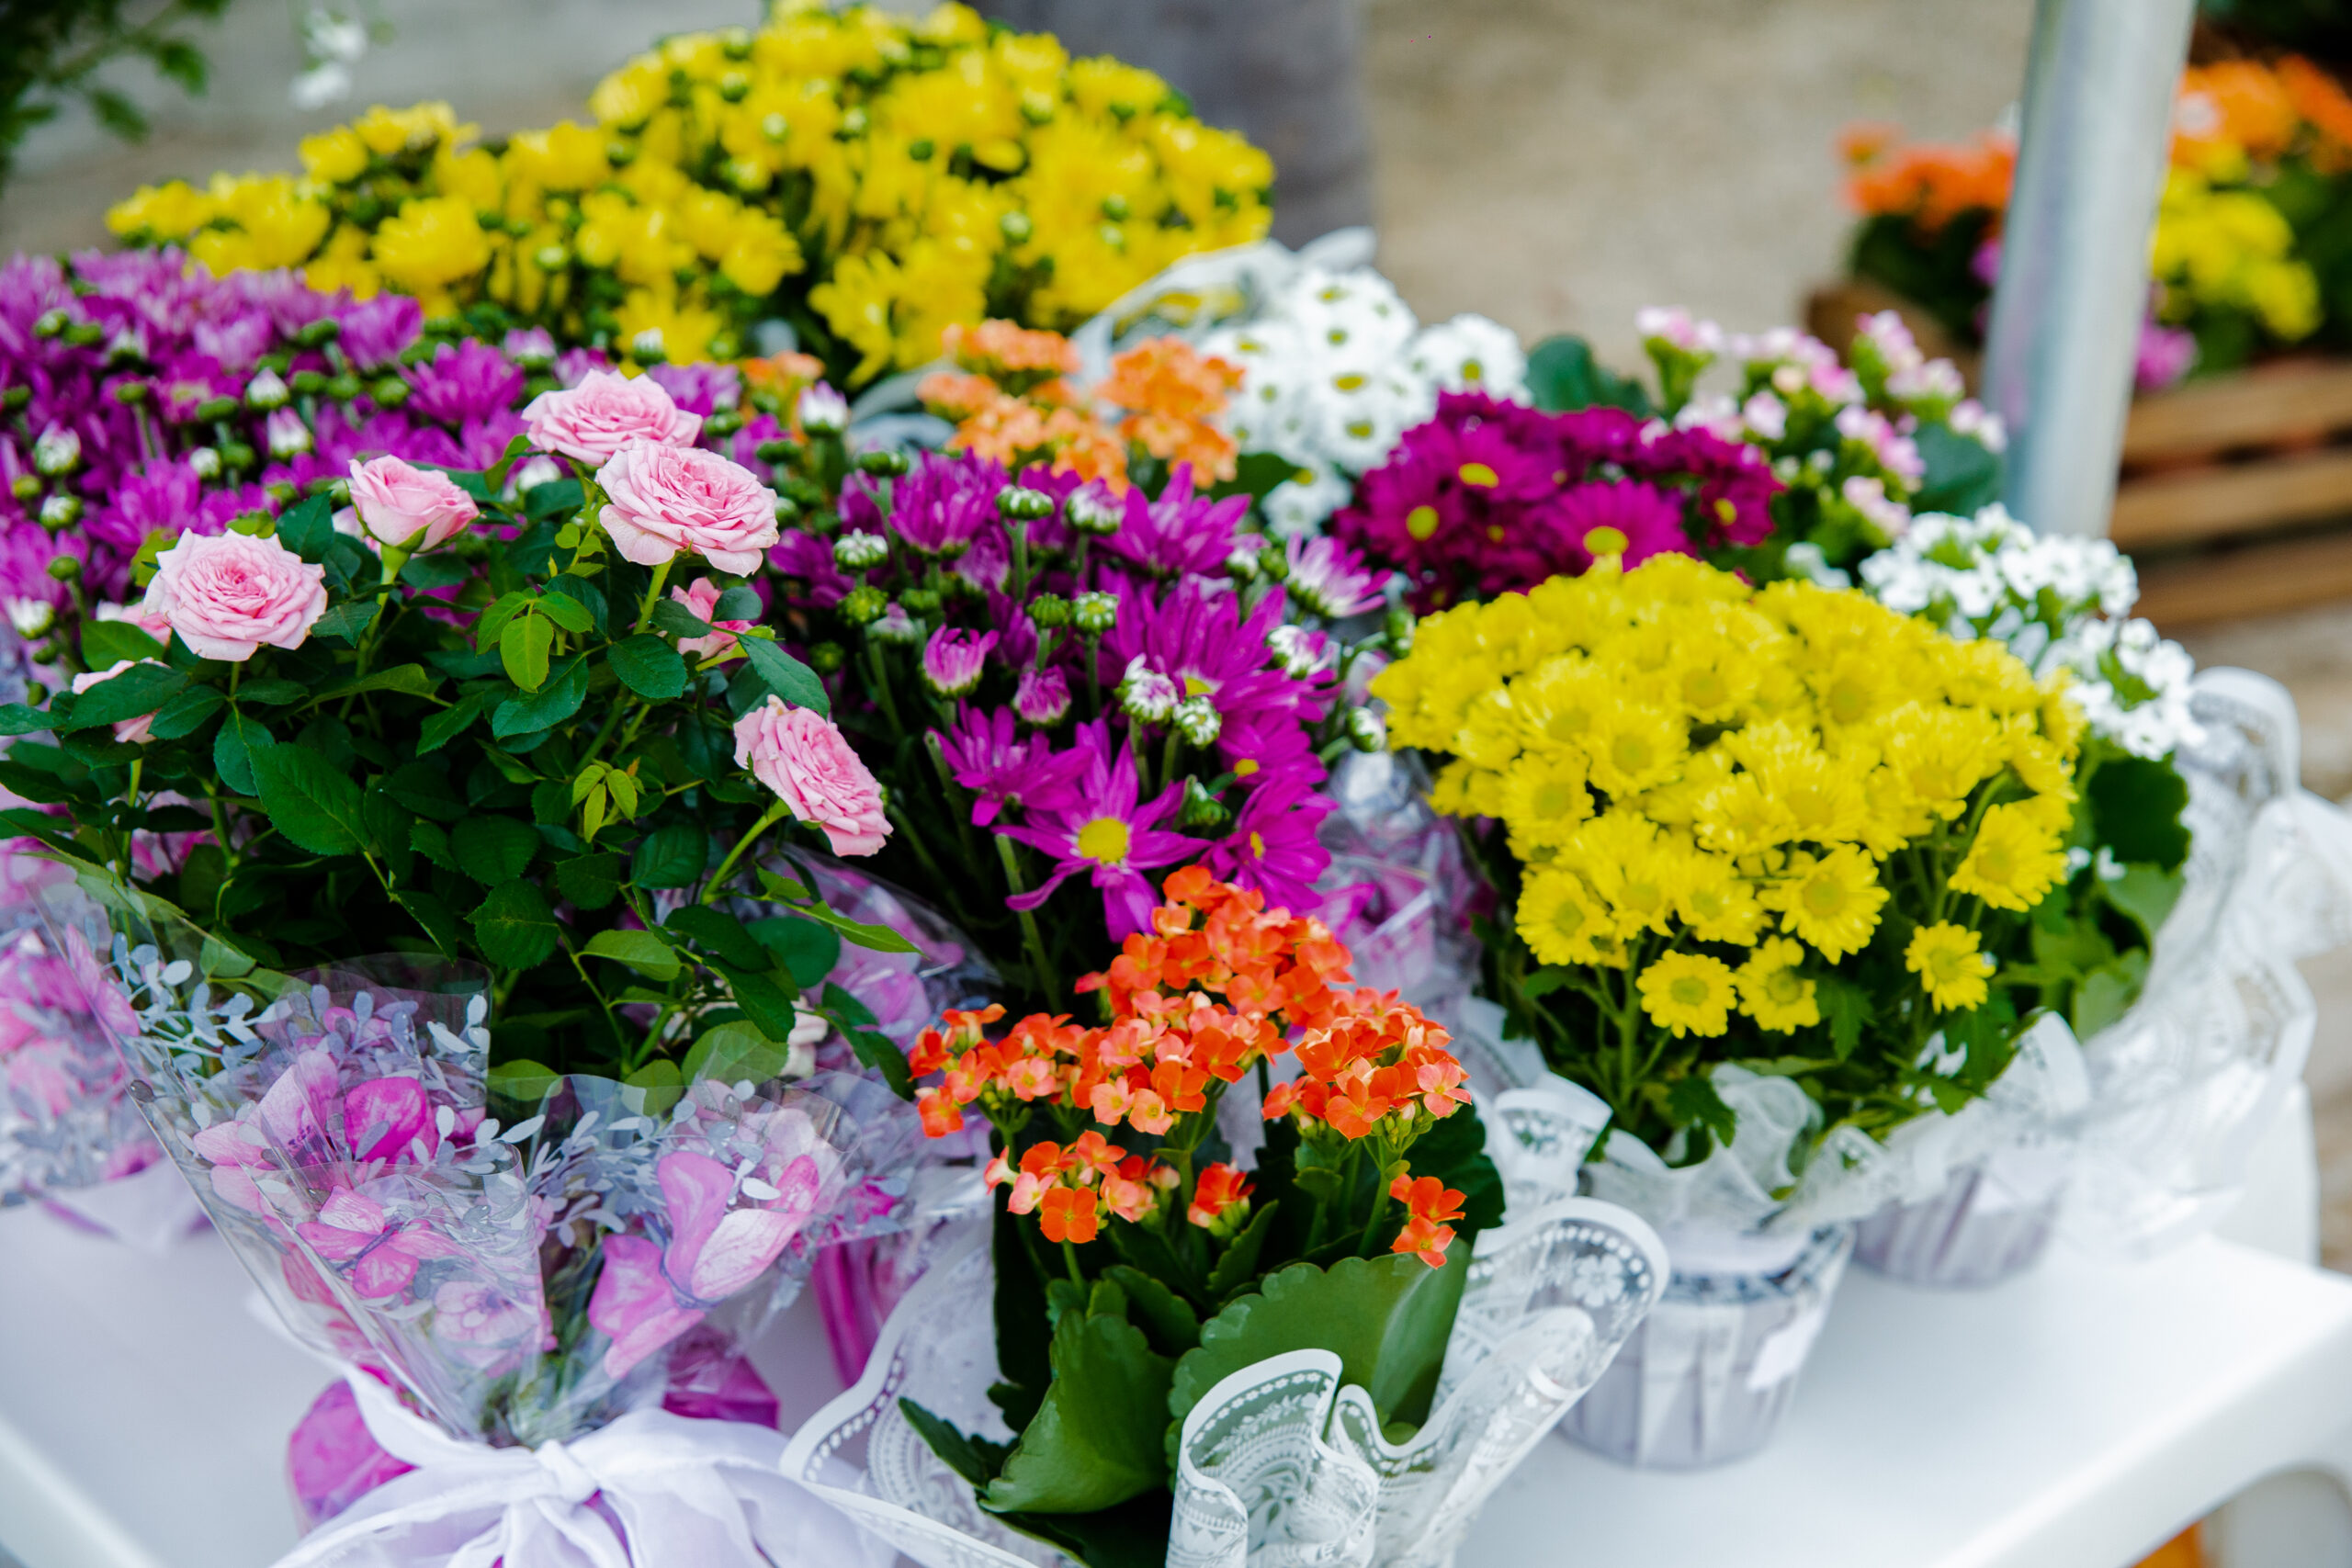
[[484, 737], [846, 181], [1193, 1362], [1766, 860]]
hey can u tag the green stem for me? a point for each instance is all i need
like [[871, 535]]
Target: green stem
[[882, 681], [718, 882], [1049, 983], [653, 593], [1020, 532], [1070, 1257]]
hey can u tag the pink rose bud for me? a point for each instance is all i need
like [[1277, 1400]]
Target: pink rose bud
[[227, 594], [661, 499], [130, 731], [801, 755], [700, 600], [409, 507], [606, 413]]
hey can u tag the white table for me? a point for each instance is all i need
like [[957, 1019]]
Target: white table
[[2074, 1419]]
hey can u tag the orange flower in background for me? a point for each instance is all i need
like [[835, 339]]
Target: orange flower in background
[[2323, 102], [998, 349], [1930, 183], [787, 375], [1865, 140], [1173, 394], [2230, 110]]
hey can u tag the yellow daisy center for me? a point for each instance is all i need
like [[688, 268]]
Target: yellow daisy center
[[1478, 473], [1244, 768], [1689, 991], [1568, 918], [1825, 897], [1632, 754], [1421, 521], [1605, 541], [1103, 840], [1555, 797], [1258, 845]]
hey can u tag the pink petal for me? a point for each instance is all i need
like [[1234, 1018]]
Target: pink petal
[[383, 1116], [383, 1272], [634, 1304], [697, 1188], [745, 1243], [299, 1104]]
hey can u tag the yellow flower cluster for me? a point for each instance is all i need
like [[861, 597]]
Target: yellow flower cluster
[[903, 175], [1710, 785], [2231, 249]]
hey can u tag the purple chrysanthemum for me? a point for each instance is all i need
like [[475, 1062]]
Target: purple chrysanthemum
[[1102, 827], [464, 382]]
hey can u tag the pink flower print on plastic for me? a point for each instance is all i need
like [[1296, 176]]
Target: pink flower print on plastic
[[294, 1111], [648, 1295], [389, 1119], [98, 984], [483, 1325], [383, 1254]]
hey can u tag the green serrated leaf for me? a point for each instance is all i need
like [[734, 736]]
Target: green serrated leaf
[[412, 679], [566, 612], [105, 644], [272, 693], [346, 620], [186, 714], [670, 857], [432, 840], [808, 948], [784, 675], [717, 931], [438, 921], [492, 850], [589, 880], [308, 527], [1691, 1102], [233, 746], [738, 605], [453, 721], [671, 616], [648, 666], [766, 1003], [514, 926], [643, 951], [136, 693], [309, 801], [524, 648], [558, 699], [734, 1050]]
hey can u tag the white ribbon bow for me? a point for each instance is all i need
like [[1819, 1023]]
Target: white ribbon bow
[[705, 1492]]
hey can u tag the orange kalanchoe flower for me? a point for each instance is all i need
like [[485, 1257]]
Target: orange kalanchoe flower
[[1221, 1191], [1002, 349], [1428, 1204], [1172, 394], [1928, 183]]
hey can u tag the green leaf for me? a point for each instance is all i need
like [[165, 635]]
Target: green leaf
[[1454, 1151], [492, 850], [1166, 1316], [879, 939], [233, 747], [412, 679], [784, 675], [136, 693], [590, 881], [2107, 994], [669, 857], [1691, 1102], [272, 693], [553, 499], [763, 1001], [526, 1081], [432, 840], [438, 570], [1100, 1437], [453, 721], [671, 616], [1962, 474], [738, 605], [424, 789], [495, 479], [347, 620], [308, 528], [16, 719], [1845, 1008], [658, 1086], [977, 1459], [1386, 1318], [808, 948], [733, 1052], [524, 646], [642, 950], [514, 928], [2147, 895], [2136, 804], [434, 916], [1240, 1264], [1563, 373], [553, 702], [187, 713], [565, 611], [105, 644], [648, 666], [309, 801], [502, 610], [721, 934]]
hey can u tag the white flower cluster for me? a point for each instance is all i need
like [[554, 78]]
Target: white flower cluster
[[2057, 604], [1335, 368]]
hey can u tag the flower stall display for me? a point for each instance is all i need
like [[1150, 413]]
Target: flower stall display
[[1194, 1361], [1767, 860], [2242, 262], [850, 182]]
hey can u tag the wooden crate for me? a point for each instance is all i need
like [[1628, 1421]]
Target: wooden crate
[[2236, 494]]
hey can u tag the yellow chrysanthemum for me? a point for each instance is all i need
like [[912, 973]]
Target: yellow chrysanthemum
[[1831, 902], [430, 244], [2014, 861], [1689, 993], [1543, 799], [1716, 903], [1773, 992], [1632, 746], [1951, 969], [1563, 922]]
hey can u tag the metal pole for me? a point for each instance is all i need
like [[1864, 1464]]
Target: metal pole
[[2074, 288]]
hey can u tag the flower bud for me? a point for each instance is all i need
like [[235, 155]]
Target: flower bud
[[1043, 698], [1197, 721], [1095, 612], [1367, 731], [61, 512], [287, 435], [1049, 610], [897, 626], [827, 658], [267, 389], [859, 551], [308, 383], [1089, 510], [778, 449], [65, 568], [31, 617], [822, 411], [205, 461], [1201, 812], [25, 487], [1400, 628], [884, 465], [863, 606], [214, 409], [52, 321], [1016, 503], [58, 450], [954, 662], [1147, 695]]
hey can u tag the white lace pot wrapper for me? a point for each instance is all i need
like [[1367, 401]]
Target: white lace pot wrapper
[[647, 1489], [1993, 1220], [1709, 1374], [2184, 1084], [1277, 1463]]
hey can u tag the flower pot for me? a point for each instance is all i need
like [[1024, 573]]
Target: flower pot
[[1709, 1374], [1991, 1220], [1278, 1463]]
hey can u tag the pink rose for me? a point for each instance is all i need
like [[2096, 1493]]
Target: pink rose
[[130, 731], [800, 754], [660, 500], [605, 413], [701, 600], [227, 594], [402, 505]]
